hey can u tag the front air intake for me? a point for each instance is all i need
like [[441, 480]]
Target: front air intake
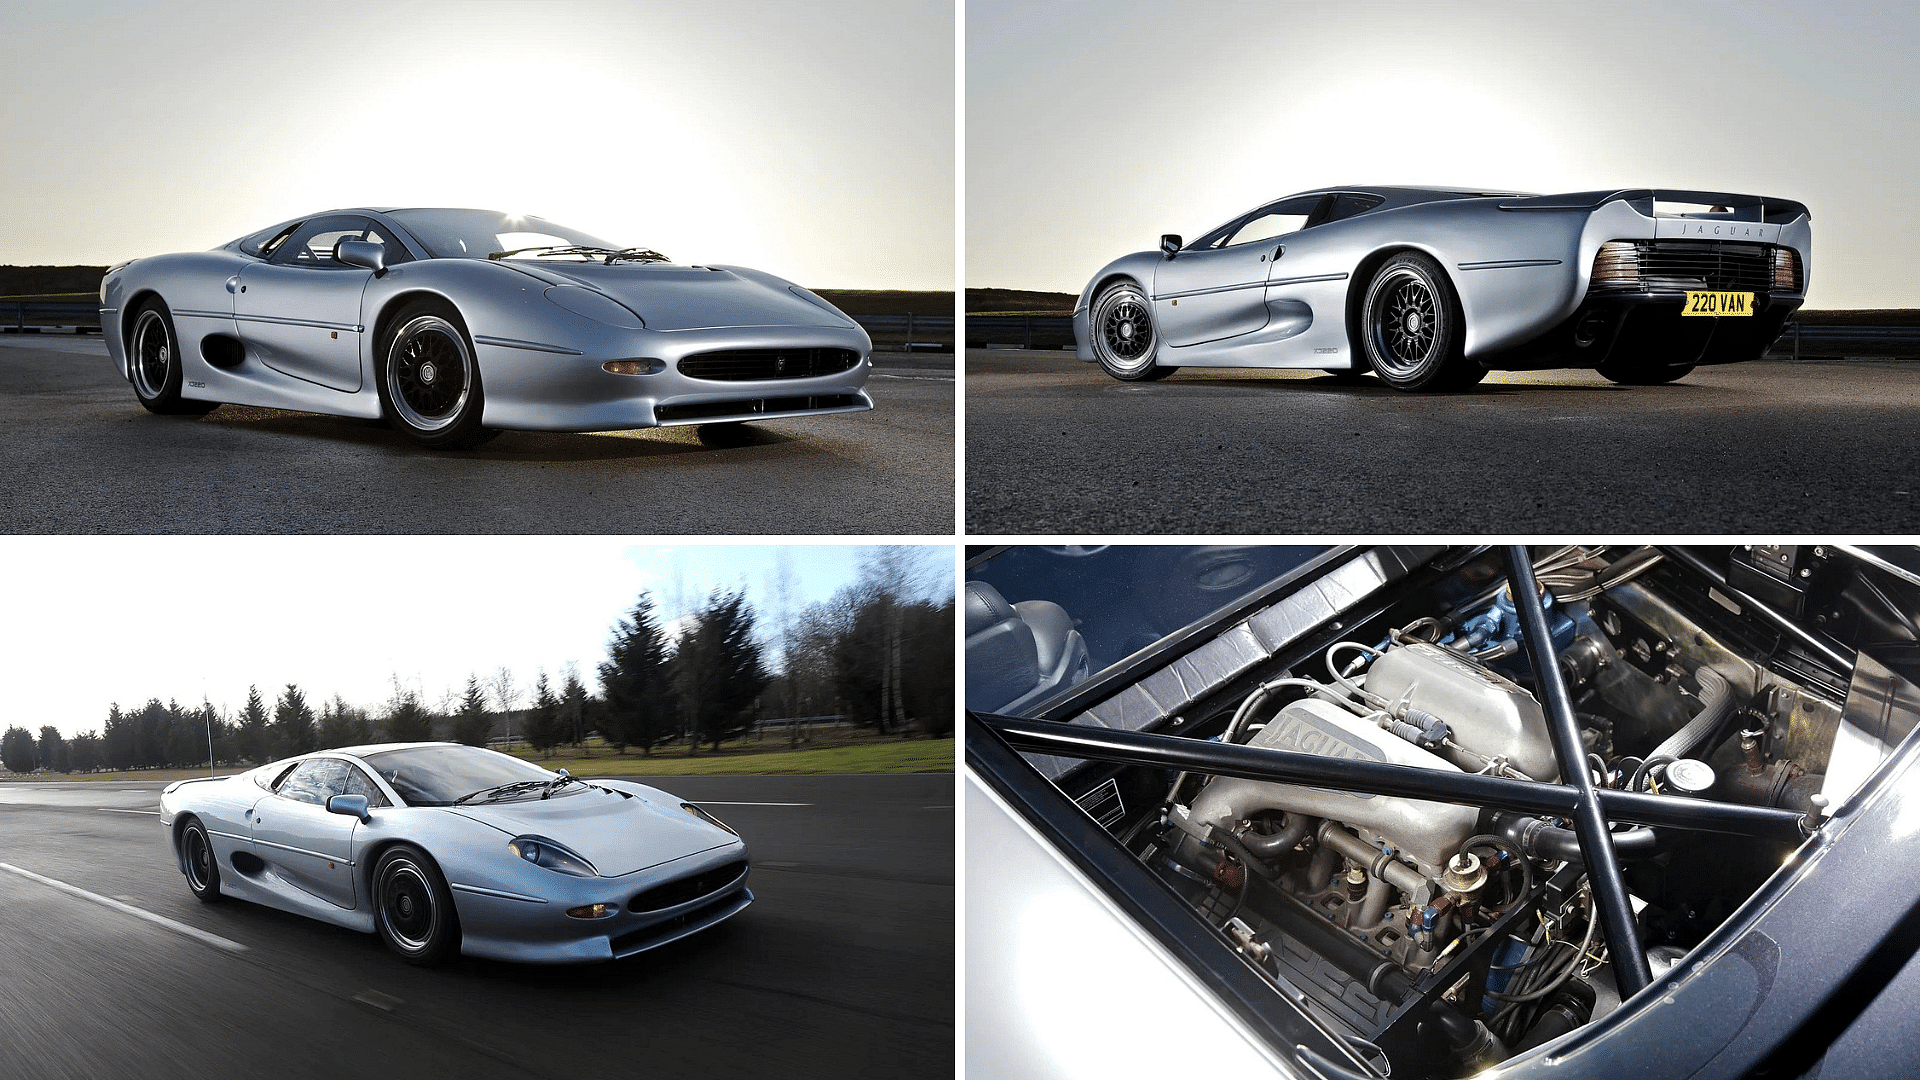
[[749, 365], [668, 414]]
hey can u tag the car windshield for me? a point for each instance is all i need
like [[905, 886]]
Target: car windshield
[[1041, 620], [480, 234], [438, 775]]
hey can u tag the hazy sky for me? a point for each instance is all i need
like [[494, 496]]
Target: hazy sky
[[1092, 128], [85, 622], [812, 140]]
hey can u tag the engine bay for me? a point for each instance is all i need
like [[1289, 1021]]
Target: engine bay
[[1439, 938]]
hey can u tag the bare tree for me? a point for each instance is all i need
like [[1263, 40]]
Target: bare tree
[[505, 694]]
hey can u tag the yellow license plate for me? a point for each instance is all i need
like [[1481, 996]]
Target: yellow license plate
[[1718, 303]]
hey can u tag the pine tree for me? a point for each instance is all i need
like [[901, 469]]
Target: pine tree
[[17, 752], [53, 749], [407, 719], [544, 730], [635, 680], [473, 724], [573, 709], [293, 725], [722, 673], [252, 728]]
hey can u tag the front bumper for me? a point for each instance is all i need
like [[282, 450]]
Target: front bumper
[[525, 929], [1625, 327], [546, 389]]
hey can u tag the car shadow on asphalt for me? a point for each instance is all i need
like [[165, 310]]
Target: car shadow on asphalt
[[1375, 388], [529, 446]]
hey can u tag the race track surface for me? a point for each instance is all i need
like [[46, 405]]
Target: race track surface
[[843, 966], [1056, 446], [79, 454]]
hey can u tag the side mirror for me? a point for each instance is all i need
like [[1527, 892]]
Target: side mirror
[[350, 805], [362, 253], [1170, 244]]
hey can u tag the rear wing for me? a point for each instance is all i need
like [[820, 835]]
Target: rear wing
[[1672, 203]]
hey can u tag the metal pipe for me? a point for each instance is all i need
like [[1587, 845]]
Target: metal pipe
[[1345, 774], [1818, 644], [1630, 970]]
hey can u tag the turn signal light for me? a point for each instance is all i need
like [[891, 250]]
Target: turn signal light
[[591, 911], [632, 367]]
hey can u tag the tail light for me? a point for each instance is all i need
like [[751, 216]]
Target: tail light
[[1786, 269], [1617, 266]]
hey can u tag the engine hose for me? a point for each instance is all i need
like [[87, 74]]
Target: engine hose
[[1645, 770], [1247, 858], [1536, 839], [1272, 846], [1519, 860], [1716, 702]]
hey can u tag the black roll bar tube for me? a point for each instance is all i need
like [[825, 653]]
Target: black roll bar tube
[[1630, 970]]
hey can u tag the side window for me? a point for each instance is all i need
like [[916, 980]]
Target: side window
[[359, 784], [314, 780], [1347, 204], [311, 245], [1287, 216], [396, 251]]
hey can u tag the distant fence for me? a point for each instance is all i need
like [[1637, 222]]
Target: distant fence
[[1019, 331], [911, 332], [28, 316]]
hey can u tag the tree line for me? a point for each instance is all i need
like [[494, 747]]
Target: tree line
[[871, 655]]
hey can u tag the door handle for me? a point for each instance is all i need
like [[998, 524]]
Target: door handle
[[1279, 251], [233, 283]]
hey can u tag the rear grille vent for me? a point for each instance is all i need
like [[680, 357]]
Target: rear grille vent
[[688, 889], [1680, 265], [742, 365], [667, 414]]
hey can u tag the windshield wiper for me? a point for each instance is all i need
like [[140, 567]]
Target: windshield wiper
[[501, 791], [611, 255], [560, 781]]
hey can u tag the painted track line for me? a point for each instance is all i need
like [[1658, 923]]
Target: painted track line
[[214, 940]]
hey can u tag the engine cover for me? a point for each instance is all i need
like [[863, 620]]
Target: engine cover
[[1427, 832], [1488, 714]]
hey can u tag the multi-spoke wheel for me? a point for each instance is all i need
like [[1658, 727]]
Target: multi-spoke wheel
[[1410, 327], [412, 906], [153, 362], [1123, 337], [197, 860], [429, 383]]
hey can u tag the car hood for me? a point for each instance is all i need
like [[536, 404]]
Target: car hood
[[667, 296], [617, 835]]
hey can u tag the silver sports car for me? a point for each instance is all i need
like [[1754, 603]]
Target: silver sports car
[[441, 848], [1430, 289], [453, 324]]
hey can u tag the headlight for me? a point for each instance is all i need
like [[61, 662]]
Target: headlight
[[591, 305], [541, 851], [706, 817]]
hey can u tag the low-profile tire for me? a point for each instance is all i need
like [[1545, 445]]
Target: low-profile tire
[[413, 908], [198, 862], [728, 434], [1411, 330], [154, 364], [428, 378], [1644, 373], [1124, 339]]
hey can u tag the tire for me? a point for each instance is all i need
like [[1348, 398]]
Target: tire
[[428, 379], [1644, 373], [198, 862], [1124, 339], [729, 434], [154, 365], [1411, 330], [413, 908]]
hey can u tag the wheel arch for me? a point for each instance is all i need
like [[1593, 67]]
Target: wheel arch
[[391, 307], [137, 300], [363, 884]]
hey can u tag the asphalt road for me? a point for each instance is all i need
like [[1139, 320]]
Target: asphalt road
[[79, 454], [843, 966], [1056, 446]]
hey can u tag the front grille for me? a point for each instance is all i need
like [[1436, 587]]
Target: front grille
[[1680, 265], [745, 365], [687, 889], [647, 937], [747, 406]]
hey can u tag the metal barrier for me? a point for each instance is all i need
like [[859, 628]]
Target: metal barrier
[[15, 315], [937, 327]]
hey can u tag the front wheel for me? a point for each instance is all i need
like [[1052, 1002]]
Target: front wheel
[[1124, 340], [413, 908], [428, 380], [1411, 330], [198, 861], [154, 365]]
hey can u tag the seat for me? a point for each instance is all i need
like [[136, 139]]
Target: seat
[[1018, 654]]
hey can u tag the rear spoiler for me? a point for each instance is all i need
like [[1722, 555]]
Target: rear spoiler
[[1647, 200]]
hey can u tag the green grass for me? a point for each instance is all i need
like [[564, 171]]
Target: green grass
[[834, 751]]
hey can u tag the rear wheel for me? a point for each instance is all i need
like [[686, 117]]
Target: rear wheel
[[429, 383], [154, 366], [198, 862], [412, 906], [1124, 340], [1411, 330]]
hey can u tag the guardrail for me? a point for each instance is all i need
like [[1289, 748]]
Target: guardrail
[[914, 332], [1019, 331], [28, 316]]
